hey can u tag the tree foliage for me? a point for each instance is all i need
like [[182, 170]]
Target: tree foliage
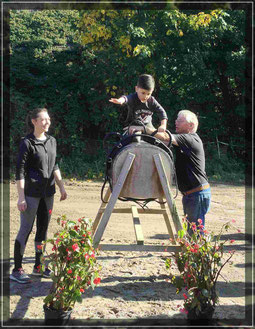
[[73, 61]]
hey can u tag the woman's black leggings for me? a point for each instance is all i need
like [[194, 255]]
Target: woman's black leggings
[[40, 208]]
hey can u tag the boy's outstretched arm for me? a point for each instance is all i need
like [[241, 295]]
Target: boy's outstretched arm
[[162, 127], [119, 101]]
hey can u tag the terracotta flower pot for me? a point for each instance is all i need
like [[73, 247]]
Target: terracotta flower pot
[[56, 317]]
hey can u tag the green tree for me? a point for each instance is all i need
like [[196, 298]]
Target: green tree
[[197, 58], [73, 61]]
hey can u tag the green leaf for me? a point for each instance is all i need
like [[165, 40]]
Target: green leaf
[[48, 299], [185, 226], [205, 292], [54, 279], [79, 299], [168, 263], [181, 234], [70, 223]]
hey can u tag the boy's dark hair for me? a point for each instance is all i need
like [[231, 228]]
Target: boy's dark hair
[[146, 81]]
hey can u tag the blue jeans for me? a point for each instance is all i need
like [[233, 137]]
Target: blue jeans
[[196, 205]]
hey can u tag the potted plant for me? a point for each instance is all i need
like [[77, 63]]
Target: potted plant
[[73, 266], [199, 262]]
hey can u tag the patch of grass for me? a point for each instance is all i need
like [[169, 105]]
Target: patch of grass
[[226, 170]]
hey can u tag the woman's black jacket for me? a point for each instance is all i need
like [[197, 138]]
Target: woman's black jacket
[[36, 164]]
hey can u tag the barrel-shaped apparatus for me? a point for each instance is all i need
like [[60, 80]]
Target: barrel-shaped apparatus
[[143, 180]]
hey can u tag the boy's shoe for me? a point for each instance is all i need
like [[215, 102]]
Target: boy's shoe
[[20, 276], [37, 272]]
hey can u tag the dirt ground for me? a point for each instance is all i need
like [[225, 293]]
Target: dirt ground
[[134, 285]]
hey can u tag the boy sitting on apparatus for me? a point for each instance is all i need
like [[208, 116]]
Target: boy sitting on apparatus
[[141, 106]]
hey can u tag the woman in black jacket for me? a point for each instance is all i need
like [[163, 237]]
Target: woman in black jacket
[[36, 174]]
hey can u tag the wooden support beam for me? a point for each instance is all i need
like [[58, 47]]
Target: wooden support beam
[[167, 192], [101, 210], [136, 247], [137, 226], [115, 194], [140, 211], [167, 221]]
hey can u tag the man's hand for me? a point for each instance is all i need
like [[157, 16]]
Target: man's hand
[[63, 194]]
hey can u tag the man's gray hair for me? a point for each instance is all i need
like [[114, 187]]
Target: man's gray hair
[[190, 118]]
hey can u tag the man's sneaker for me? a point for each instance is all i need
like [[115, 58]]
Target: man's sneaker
[[20, 276], [37, 272]]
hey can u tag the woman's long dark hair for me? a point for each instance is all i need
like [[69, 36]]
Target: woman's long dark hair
[[33, 115]]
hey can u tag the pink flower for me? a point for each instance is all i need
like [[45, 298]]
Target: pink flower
[[86, 256], [68, 258], [79, 220], [238, 231], [185, 296], [78, 278], [69, 271], [82, 290], [54, 248], [75, 247], [232, 241], [67, 249], [182, 310], [200, 221], [97, 281], [233, 221], [206, 232], [63, 222], [39, 247], [50, 211]]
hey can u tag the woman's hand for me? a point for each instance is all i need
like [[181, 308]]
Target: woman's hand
[[22, 205]]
